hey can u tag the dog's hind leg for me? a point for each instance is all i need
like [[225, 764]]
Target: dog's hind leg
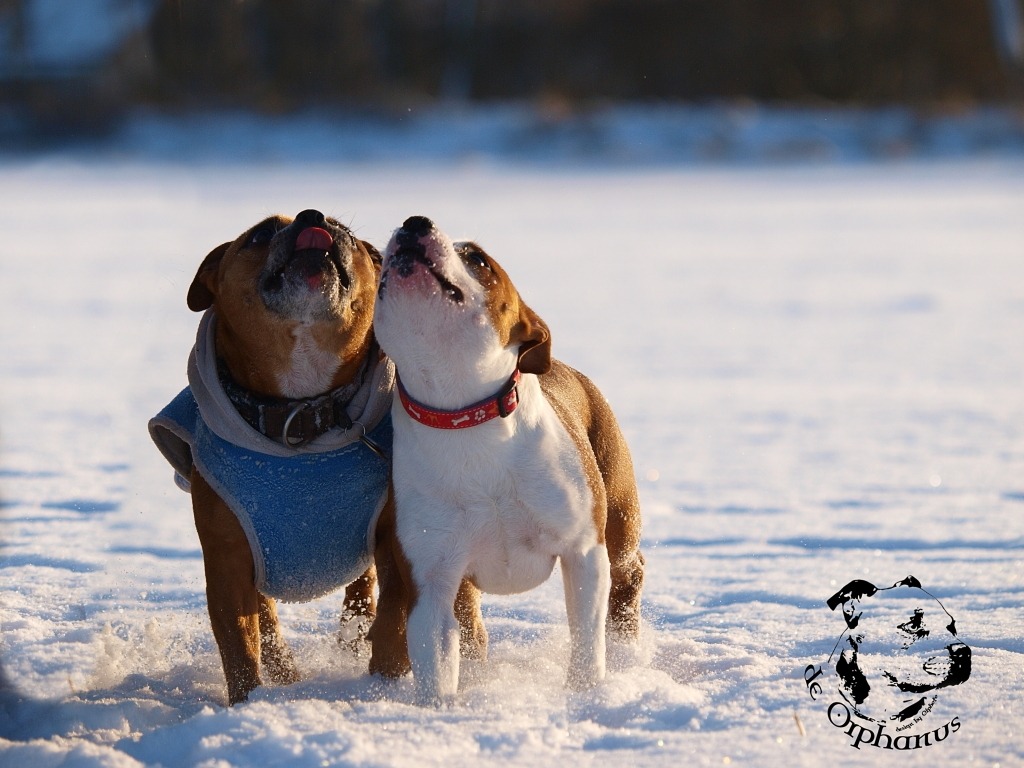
[[357, 614], [622, 506], [624, 598], [622, 527], [472, 633], [359, 597], [622, 535]]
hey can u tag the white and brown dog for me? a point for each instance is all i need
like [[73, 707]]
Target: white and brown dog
[[282, 434], [505, 461]]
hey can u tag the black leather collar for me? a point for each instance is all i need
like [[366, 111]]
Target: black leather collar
[[294, 422]]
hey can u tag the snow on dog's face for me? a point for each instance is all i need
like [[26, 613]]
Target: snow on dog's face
[[447, 309]]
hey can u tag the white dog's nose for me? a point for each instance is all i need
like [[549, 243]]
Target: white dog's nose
[[418, 225]]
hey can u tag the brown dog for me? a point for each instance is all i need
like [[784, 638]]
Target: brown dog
[[286, 381]]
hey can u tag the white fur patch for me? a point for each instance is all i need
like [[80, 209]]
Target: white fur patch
[[312, 368]]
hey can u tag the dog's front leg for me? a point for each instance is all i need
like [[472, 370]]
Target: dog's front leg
[[231, 595], [585, 576], [434, 638]]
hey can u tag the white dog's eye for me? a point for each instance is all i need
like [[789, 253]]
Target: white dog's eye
[[474, 258]]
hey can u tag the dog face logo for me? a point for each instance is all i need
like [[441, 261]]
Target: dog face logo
[[899, 648]]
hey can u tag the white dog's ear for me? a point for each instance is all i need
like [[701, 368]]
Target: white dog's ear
[[534, 340], [203, 290]]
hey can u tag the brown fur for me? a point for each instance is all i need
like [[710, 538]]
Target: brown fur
[[588, 418], [257, 345]]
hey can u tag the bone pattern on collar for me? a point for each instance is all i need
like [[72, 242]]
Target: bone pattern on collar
[[500, 404]]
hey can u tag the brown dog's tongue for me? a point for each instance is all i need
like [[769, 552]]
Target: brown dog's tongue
[[314, 238]]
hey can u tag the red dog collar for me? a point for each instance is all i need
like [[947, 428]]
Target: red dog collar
[[500, 404]]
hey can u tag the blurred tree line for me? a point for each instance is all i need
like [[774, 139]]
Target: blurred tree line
[[281, 53]]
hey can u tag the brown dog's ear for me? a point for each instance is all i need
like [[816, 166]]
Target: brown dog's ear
[[374, 253], [201, 293], [534, 342]]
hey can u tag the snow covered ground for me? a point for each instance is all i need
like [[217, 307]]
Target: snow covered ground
[[819, 370]]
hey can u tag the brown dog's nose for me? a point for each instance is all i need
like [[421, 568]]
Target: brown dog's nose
[[418, 225], [310, 218]]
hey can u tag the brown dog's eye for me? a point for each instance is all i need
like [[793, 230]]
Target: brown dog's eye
[[262, 236]]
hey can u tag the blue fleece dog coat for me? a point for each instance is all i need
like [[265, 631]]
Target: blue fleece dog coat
[[309, 518]]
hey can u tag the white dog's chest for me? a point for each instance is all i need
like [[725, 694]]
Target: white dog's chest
[[510, 551], [506, 509]]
